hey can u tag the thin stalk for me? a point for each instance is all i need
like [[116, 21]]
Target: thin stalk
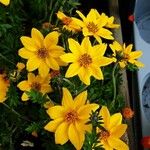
[[3, 57], [15, 112], [84, 88], [52, 11], [114, 85]]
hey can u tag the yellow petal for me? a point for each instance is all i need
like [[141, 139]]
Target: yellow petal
[[74, 137], [24, 86], [81, 126], [74, 46], [43, 69], [67, 100], [99, 50], [116, 46], [56, 51], [29, 43], [96, 72], [105, 115], [139, 64], [80, 100], [51, 62], [99, 40], [24, 53], [105, 34], [73, 70], [51, 39], [69, 57], [5, 2], [32, 64], [31, 77], [105, 145], [52, 125], [60, 15], [103, 61], [135, 55], [37, 36], [84, 75], [24, 97], [91, 15], [61, 134], [56, 112], [81, 15], [118, 131], [87, 33], [122, 64], [128, 49], [46, 89], [85, 111], [117, 144], [60, 62], [86, 45], [115, 120], [78, 23]]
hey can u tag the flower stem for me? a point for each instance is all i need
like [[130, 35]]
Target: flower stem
[[3, 57], [114, 85], [15, 112]]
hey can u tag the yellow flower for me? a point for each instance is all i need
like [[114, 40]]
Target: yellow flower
[[113, 130], [69, 120], [5, 2], [124, 55], [4, 85], [20, 66], [92, 25], [37, 83], [86, 60], [69, 22], [42, 53]]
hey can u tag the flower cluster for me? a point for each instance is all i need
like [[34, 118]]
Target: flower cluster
[[63, 66]]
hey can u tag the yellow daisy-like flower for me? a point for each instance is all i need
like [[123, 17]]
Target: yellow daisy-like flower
[[5, 2], [69, 22], [42, 53], [113, 130], [4, 85], [37, 83], [86, 60], [69, 120], [92, 25], [124, 55]]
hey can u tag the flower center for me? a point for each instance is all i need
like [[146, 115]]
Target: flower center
[[66, 20], [104, 135], [36, 86], [126, 56], [92, 27], [42, 53], [71, 116], [85, 60]]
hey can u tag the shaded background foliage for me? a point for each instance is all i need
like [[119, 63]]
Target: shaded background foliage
[[16, 20]]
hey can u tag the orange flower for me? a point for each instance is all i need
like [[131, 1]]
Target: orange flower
[[127, 113]]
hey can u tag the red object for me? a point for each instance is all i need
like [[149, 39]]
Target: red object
[[146, 142], [131, 18]]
